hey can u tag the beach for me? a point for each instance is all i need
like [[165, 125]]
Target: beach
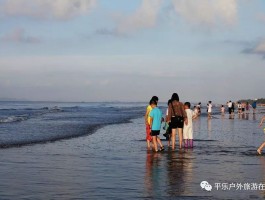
[[113, 163]]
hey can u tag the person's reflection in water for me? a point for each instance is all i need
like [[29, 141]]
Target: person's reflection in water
[[209, 126], [247, 116], [179, 173], [152, 175]]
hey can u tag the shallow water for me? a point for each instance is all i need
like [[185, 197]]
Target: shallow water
[[113, 163]]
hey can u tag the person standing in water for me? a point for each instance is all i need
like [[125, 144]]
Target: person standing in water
[[167, 126], [254, 106], [222, 110], [176, 116], [209, 109], [155, 123], [188, 130], [147, 122]]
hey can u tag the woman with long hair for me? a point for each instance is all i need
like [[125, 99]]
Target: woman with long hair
[[177, 117]]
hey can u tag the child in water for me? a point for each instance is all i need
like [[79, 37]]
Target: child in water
[[155, 124], [222, 110], [188, 130], [167, 126], [147, 122], [263, 144]]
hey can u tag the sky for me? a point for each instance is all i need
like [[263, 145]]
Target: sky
[[124, 50]]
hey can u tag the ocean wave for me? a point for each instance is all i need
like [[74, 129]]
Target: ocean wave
[[23, 115], [14, 119]]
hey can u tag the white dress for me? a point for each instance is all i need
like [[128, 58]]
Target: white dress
[[187, 129]]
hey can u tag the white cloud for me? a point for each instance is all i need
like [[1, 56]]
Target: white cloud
[[46, 9], [18, 35], [207, 12], [144, 17]]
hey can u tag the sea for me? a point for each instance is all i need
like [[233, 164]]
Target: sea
[[23, 123], [55, 150]]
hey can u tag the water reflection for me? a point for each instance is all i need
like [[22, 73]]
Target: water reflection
[[209, 126], [152, 175], [176, 178], [179, 173]]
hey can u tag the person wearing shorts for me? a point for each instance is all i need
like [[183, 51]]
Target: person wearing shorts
[[176, 116], [155, 123], [147, 122]]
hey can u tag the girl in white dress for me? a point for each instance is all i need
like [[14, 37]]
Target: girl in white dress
[[188, 130]]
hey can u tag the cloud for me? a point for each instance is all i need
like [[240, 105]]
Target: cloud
[[144, 17], [46, 9], [18, 35], [207, 12], [256, 48]]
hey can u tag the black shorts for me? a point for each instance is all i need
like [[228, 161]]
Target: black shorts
[[155, 133], [177, 122]]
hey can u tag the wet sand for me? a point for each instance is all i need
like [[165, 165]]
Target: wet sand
[[113, 163]]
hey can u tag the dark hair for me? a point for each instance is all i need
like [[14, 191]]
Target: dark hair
[[155, 98], [187, 104], [169, 102], [210, 101], [175, 97], [150, 102], [153, 102]]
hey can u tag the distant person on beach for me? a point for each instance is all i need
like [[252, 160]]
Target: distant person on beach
[[229, 105], [209, 109], [147, 122], [195, 112], [222, 110], [239, 108], [247, 108], [188, 130], [167, 126], [233, 108], [243, 105], [254, 106], [177, 116], [155, 123], [199, 108], [263, 144]]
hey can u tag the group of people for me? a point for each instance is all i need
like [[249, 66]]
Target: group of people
[[242, 108], [178, 120]]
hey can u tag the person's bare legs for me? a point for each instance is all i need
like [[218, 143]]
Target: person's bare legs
[[173, 137], [159, 141], [155, 143], [261, 147], [180, 133], [148, 136], [148, 144], [168, 142]]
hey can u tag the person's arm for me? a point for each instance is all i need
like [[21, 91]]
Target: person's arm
[[169, 114], [146, 116], [262, 120], [151, 122]]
